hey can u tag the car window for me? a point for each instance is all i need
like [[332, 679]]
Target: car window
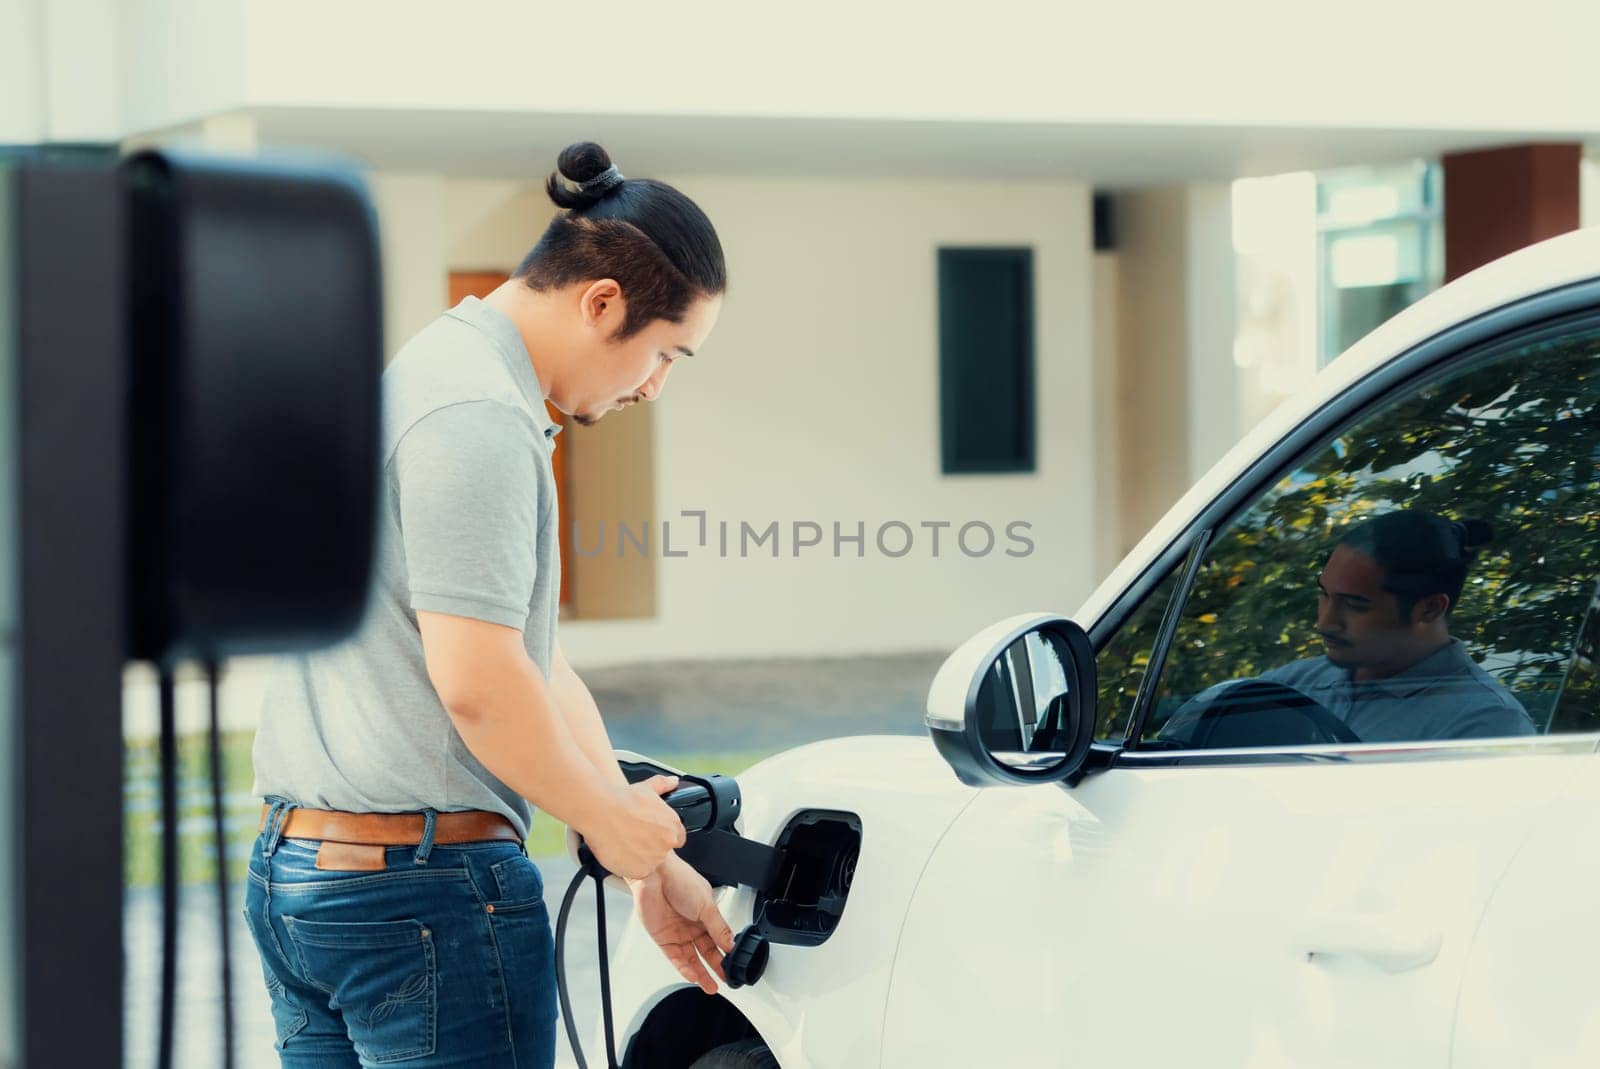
[[1121, 663], [1429, 573]]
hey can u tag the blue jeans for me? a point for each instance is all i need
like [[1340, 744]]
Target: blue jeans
[[444, 958]]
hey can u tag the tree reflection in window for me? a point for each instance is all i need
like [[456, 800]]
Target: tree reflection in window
[[1513, 440]]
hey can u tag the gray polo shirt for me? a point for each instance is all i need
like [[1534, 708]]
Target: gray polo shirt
[[1443, 696], [468, 527]]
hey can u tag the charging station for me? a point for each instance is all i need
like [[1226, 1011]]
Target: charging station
[[190, 352]]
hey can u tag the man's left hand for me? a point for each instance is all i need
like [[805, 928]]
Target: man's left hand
[[675, 905]]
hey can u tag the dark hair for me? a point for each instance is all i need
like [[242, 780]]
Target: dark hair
[[653, 240], [1420, 553]]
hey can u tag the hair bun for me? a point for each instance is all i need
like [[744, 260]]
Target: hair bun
[[1472, 534], [583, 177]]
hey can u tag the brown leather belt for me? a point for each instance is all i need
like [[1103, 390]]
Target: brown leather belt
[[394, 829]]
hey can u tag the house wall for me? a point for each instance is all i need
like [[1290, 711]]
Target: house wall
[[816, 401]]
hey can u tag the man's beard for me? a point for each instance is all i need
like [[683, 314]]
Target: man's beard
[[590, 421]]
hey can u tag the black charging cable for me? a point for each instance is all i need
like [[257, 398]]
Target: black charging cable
[[588, 868], [599, 875], [708, 807], [561, 967], [219, 832], [169, 866]]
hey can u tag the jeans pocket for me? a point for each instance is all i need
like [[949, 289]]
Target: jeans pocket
[[380, 976], [519, 883], [288, 1016]]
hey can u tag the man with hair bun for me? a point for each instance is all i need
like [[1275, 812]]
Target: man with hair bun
[[396, 913], [1391, 670]]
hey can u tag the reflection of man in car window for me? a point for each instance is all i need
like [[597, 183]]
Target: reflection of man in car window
[[1391, 671]]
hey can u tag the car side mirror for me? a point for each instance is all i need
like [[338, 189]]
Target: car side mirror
[[1015, 704]]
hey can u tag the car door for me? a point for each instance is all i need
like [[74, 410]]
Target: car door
[[1287, 899]]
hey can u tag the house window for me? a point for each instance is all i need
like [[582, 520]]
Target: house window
[[986, 360], [1380, 247]]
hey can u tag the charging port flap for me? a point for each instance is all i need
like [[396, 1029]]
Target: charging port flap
[[818, 848]]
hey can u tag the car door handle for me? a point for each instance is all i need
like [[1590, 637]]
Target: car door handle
[[1391, 943]]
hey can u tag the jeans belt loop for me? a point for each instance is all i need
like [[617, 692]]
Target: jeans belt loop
[[277, 820], [425, 847]]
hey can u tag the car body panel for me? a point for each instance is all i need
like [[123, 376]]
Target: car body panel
[[1531, 996], [1262, 914], [822, 1005]]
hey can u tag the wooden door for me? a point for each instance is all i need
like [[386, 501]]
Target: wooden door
[[479, 284]]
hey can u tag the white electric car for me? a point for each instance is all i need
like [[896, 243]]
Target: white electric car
[[1130, 842]]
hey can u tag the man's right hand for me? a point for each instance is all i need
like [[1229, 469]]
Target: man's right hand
[[636, 834]]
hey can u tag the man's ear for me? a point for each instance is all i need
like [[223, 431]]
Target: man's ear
[[601, 303], [1430, 608]]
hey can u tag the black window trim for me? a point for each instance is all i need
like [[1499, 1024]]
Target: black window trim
[[1572, 304], [1165, 634], [1365, 753]]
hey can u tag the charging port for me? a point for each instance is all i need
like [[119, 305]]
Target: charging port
[[819, 849]]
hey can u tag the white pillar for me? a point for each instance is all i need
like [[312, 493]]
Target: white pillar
[[1210, 298], [22, 67], [411, 229], [58, 71], [81, 67], [1178, 398], [1275, 252]]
